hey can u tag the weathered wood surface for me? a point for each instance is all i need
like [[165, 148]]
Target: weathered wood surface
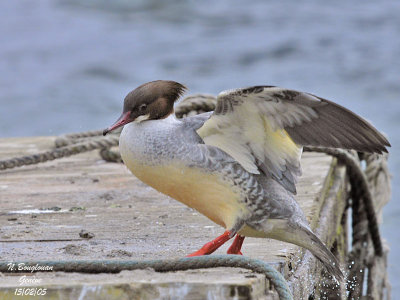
[[133, 221]]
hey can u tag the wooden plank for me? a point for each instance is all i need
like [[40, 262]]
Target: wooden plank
[[128, 219], [144, 284]]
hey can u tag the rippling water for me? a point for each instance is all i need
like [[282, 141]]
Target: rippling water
[[65, 65]]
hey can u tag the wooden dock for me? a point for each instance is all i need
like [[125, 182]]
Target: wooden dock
[[48, 211]]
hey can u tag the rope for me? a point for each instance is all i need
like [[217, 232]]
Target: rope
[[195, 104], [360, 189], [110, 156], [167, 265], [61, 152]]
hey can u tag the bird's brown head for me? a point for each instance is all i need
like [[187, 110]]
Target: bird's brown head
[[150, 101]]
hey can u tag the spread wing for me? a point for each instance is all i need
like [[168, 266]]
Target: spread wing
[[265, 127]]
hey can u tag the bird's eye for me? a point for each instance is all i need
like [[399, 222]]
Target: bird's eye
[[142, 107]]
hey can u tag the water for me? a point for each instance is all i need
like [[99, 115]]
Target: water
[[65, 66]]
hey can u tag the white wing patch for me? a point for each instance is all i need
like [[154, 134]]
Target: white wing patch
[[254, 136]]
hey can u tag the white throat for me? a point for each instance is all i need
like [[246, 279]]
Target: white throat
[[142, 118]]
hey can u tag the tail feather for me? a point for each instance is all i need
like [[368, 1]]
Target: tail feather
[[321, 252], [303, 236]]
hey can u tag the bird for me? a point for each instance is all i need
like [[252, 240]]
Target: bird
[[238, 165]]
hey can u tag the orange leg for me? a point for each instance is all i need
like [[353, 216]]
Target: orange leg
[[213, 245], [236, 245]]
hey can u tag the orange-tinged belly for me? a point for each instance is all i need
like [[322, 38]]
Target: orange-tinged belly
[[205, 192]]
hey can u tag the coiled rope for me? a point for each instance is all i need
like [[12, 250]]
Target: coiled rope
[[359, 185], [167, 265], [68, 150]]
